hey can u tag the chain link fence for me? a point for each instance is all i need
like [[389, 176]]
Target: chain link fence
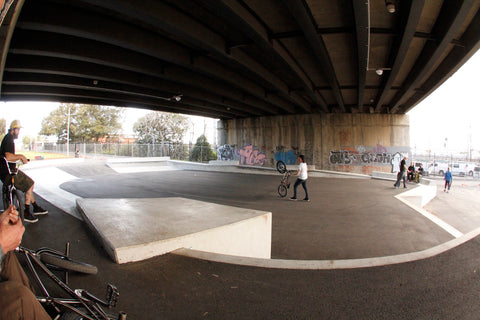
[[176, 151]]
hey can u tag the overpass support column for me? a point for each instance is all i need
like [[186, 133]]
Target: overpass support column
[[358, 143]]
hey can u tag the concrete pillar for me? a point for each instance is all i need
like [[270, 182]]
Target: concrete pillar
[[359, 143]]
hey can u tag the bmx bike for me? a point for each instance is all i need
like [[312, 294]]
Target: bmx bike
[[284, 183], [10, 194], [79, 303]]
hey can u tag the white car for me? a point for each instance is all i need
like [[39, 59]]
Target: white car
[[458, 169], [438, 168]]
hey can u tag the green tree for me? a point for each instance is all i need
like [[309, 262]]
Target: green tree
[[28, 142], [202, 151], [85, 122], [157, 127]]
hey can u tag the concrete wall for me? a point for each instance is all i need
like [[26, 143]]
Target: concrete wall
[[359, 143]]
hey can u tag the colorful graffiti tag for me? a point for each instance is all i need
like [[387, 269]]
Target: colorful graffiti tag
[[362, 156], [226, 152], [250, 155]]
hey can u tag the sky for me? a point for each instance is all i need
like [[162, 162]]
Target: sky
[[450, 114], [446, 121]]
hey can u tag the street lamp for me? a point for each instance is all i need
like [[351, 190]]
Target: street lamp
[[68, 131]]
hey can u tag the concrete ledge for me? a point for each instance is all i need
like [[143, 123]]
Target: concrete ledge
[[196, 166], [138, 229], [223, 162], [384, 175], [330, 264], [137, 160], [50, 163], [131, 165]]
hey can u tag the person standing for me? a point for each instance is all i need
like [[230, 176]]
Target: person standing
[[302, 174], [22, 181], [448, 180], [401, 173]]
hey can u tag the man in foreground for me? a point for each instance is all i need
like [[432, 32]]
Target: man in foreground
[[17, 300], [22, 181]]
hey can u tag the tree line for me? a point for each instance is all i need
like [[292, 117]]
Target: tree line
[[81, 123]]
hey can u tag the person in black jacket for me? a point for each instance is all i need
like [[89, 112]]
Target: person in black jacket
[[411, 172], [22, 181]]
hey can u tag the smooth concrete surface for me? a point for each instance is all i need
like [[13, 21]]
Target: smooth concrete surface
[[47, 184], [138, 229], [347, 219], [330, 264], [94, 180]]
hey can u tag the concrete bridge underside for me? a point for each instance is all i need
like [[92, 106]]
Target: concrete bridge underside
[[358, 143]]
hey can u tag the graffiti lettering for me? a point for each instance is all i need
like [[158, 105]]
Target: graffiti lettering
[[250, 155], [362, 156]]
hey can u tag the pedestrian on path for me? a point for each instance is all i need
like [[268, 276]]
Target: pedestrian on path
[[401, 173], [448, 180], [302, 174]]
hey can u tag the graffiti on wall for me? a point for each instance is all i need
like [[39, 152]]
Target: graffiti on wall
[[366, 156], [289, 157], [226, 152], [251, 155]]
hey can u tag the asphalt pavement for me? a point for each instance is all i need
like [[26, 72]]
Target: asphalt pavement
[[346, 219]]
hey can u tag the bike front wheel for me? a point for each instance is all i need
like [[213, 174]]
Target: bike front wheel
[[68, 264], [281, 167], [16, 200], [282, 190]]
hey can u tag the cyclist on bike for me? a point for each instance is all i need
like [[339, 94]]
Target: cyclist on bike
[[17, 299], [22, 181], [302, 174]]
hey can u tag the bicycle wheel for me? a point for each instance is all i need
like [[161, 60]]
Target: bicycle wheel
[[68, 264], [18, 203], [281, 167], [282, 190]]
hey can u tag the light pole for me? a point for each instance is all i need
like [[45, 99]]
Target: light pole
[[68, 131]]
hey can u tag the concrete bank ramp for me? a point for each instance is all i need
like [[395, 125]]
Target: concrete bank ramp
[[138, 229]]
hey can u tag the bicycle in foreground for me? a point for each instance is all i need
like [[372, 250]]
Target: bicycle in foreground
[[78, 304], [10, 194], [284, 183]]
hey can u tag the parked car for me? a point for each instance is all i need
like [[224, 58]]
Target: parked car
[[470, 169], [458, 169], [476, 172], [438, 168]]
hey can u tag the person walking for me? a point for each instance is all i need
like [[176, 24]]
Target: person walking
[[448, 180], [401, 173], [302, 174]]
